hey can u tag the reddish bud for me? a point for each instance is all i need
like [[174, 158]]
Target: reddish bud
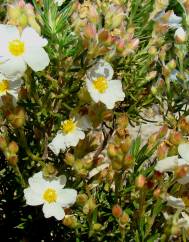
[[117, 211]]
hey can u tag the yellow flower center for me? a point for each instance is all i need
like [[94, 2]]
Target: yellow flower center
[[50, 195], [16, 47], [4, 86], [68, 126], [100, 84]]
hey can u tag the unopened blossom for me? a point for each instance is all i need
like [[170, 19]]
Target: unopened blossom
[[68, 135], [175, 202], [101, 87], [51, 194], [19, 50], [59, 2], [180, 35], [11, 87], [172, 162]]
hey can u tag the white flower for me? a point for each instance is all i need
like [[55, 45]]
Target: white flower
[[51, 194], [171, 163], [59, 2], [174, 21], [101, 87], [175, 202], [68, 136], [9, 86], [17, 50], [167, 164], [180, 35]]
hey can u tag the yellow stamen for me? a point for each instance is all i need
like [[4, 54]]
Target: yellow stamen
[[16, 47], [100, 84], [68, 126], [50, 195], [4, 86]]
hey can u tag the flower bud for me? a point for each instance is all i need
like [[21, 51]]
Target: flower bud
[[122, 121], [81, 199], [152, 50], [180, 36], [184, 125], [157, 193], [49, 170], [163, 131], [17, 118], [175, 138], [3, 143], [90, 31], [124, 219], [128, 161], [69, 159], [97, 227], [70, 221], [13, 147], [126, 144], [89, 206], [151, 75], [93, 15], [117, 164], [181, 171], [12, 159], [117, 211], [162, 151], [112, 151], [140, 181], [172, 64]]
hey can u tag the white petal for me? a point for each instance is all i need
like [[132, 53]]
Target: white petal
[[32, 39], [32, 198], [58, 183], [67, 197], [72, 139], [182, 162], [14, 68], [38, 183], [8, 33], [184, 180], [175, 202], [167, 164], [101, 68], [58, 143], [53, 210], [95, 95], [113, 94], [37, 58], [183, 150]]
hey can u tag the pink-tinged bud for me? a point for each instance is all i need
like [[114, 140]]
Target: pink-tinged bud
[[128, 161], [163, 131], [93, 15], [30, 6], [162, 151], [3, 143], [161, 28], [13, 147], [151, 75], [184, 125], [157, 193], [103, 35], [90, 31], [21, 3], [134, 44], [117, 211], [180, 36], [175, 138], [140, 181], [120, 45], [181, 171]]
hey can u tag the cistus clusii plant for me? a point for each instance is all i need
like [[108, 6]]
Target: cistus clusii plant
[[94, 120]]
